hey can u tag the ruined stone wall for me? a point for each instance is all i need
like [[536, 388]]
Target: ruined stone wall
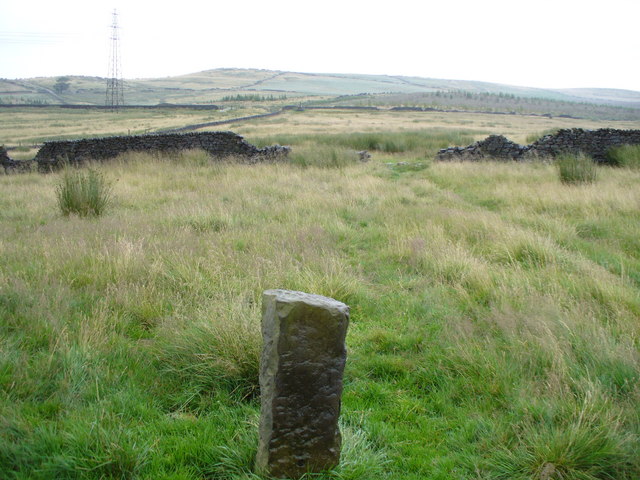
[[595, 143], [217, 144], [494, 146], [8, 165]]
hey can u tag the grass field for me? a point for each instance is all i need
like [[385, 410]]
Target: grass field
[[494, 310], [517, 128], [28, 126]]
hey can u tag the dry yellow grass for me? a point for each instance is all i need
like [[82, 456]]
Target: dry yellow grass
[[33, 125], [26, 126], [515, 127]]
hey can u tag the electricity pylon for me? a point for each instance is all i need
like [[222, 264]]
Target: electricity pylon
[[115, 84]]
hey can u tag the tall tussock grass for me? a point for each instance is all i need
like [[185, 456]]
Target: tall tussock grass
[[84, 192], [218, 349], [587, 441], [626, 156], [325, 156], [575, 169]]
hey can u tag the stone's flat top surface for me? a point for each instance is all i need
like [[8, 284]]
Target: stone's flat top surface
[[292, 296]]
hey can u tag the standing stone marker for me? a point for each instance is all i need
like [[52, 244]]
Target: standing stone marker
[[301, 368]]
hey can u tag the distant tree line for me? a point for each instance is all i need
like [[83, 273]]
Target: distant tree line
[[252, 97], [497, 103], [22, 101]]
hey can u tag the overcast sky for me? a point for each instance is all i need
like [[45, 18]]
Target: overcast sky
[[537, 43]]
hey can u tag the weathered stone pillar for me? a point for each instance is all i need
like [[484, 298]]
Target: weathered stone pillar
[[301, 368]]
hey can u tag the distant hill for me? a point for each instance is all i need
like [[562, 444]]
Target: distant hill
[[225, 84], [610, 96]]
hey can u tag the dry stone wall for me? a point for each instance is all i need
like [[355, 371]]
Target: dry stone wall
[[218, 144], [595, 143]]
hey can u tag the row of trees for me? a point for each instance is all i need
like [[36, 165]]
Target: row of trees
[[498, 103]]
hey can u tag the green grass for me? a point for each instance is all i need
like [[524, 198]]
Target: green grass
[[323, 156], [494, 318], [627, 156], [424, 143], [576, 169]]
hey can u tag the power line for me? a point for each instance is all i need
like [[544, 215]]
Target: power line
[[115, 84]]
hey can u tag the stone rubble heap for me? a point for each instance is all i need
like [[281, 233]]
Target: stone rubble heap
[[495, 146], [595, 143], [364, 156]]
